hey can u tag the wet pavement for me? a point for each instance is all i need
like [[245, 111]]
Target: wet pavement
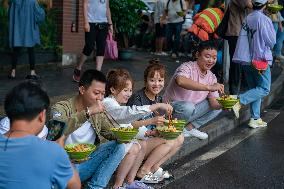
[[256, 162], [58, 80]]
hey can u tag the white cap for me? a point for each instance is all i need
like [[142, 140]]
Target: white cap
[[262, 2]]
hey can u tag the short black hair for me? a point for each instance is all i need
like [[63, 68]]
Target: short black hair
[[206, 45], [25, 101], [91, 75]]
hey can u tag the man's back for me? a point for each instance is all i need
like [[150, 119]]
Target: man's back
[[30, 162]]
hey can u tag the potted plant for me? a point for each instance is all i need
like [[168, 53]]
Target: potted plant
[[125, 21]]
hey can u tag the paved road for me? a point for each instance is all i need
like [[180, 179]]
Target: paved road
[[255, 162]]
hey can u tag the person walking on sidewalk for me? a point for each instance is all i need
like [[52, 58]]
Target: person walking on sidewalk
[[237, 11], [193, 91], [24, 19], [97, 24], [173, 15], [160, 28], [255, 42]]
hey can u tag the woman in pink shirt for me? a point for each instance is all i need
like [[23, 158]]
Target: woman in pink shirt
[[193, 91]]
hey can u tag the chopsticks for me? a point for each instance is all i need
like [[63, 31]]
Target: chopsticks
[[169, 117]]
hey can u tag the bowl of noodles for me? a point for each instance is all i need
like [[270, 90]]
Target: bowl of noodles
[[178, 124], [227, 101], [124, 135], [79, 151], [169, 133]]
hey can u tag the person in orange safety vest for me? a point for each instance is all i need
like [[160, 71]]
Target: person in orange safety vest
[[206, 22]]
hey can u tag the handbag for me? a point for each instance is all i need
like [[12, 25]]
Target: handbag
[[259, 65], [223, 26], [111, 51]]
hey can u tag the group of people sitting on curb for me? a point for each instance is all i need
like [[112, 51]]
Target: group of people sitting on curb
[[29, 161]]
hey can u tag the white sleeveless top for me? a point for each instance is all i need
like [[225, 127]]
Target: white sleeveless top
[[97, 11]]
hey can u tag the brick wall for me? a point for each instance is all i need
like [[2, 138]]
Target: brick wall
[[72, 41]]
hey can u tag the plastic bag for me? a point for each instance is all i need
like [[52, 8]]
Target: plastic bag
[[111, 51]]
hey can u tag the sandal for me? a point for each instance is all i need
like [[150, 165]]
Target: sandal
[[163, 174], [150, 179], [137, 185]]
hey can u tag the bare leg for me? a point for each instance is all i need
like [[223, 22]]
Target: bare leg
[[177, 145], [161, 42], [138, 161], [189, 127], [151, 144], [83, 58], [125, 165], [99, 62], [157, 45]]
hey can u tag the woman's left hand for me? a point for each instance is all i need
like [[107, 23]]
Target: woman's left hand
[[111, 28]]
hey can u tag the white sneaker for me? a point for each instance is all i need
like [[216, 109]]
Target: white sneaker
[[195, 133], [236, 108], [255, 123]]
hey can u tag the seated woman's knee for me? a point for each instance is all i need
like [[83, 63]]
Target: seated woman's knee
[[134, 150], [179, 141]]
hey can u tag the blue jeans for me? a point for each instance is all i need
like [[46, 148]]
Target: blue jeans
[[279, 40], [101, 165], [196, 114], [174, 29], [259, 87]]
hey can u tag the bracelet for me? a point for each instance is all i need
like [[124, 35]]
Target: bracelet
[[88, 115]]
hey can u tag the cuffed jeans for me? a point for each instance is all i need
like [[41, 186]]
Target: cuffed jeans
[[196, 114], [279, 40], [259, 87], [101, 165]]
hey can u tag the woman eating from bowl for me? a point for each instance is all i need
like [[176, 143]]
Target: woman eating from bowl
[[118, 91], [158, 150]]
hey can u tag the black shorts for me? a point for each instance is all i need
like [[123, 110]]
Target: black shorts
[[160, 31], [97, 36]]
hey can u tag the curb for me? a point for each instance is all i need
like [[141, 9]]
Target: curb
[[225, 123]]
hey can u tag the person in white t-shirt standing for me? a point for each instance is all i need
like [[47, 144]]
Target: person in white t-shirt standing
[[97, 24]]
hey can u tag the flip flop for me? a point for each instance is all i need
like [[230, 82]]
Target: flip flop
[[163, 174], [150, 179]]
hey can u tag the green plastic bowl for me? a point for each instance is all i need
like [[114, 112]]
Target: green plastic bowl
[[179, 124], [170, 135], [79, 155], [180, 13], [273, 8], [227, 104], [125, 136]]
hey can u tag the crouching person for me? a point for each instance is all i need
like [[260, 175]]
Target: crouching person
[[26, 161], [88, 124], [193, 91]]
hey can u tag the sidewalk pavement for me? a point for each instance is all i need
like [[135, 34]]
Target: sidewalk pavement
[[59, 85], [58, 80]]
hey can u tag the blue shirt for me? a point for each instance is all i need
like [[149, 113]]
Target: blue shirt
[[32, 163], [24, 17]]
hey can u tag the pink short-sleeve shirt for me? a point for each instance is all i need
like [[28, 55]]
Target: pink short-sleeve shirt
[[191, 71]]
